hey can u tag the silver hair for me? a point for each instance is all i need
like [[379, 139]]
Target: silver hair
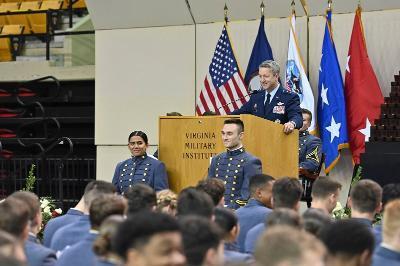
[[271, 64]]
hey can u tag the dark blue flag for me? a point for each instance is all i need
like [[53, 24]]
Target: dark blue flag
[[261, 51], [331, 108]]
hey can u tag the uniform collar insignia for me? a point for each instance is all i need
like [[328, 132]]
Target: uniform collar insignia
[[235, 152]]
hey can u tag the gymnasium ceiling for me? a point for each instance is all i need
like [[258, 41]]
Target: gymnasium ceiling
[[120, 14]]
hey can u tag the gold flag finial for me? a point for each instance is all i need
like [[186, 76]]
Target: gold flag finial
[[262, 8], [226, 13]]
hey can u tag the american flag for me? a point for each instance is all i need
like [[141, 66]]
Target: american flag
[[224, 89]]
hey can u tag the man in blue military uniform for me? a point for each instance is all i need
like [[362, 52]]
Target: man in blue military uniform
[[310, 150], [235, 166], [273, 102]]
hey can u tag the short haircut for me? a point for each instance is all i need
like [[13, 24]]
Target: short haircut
[[174, 114], [139, 134], [102, 246], [226, 219], [140, 197], [324, 186], [390, 192], [391, 220], [105, 206], [136, 231], [259, 181], [209, 113], [366, 196], [306, 111], [199, 235], [283, 216], [235, 121], [314, 220], [14, 216], [194, 202], [271, 64], [284, 245], [97, 188], [31, 200], [214, 187], [286, 192], [347, 238]]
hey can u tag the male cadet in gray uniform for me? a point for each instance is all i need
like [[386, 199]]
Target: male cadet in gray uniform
[[309, 145], [235, 166]]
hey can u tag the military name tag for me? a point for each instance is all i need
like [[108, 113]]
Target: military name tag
[[279, 109]]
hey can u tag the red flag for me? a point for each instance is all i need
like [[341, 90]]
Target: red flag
[[362, 91]]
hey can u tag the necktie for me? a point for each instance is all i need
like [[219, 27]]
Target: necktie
[[267, 102]]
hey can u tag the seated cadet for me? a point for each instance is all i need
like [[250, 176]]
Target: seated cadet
[[226, 219], [310, 151], [235, 166], [37, 254], [141, 168], [215, 188], [82, 252]]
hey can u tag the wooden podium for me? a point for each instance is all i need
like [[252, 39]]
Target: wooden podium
[[186, 144]]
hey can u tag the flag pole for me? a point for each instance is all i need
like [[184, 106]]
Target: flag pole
[[305, 8]]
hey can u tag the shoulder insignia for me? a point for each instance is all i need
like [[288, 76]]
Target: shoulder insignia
[[313, 155], [241, 202]]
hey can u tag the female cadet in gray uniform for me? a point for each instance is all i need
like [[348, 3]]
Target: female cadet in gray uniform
[[141, 168]]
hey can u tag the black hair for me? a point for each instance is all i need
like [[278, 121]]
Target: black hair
[[347, 238], [140, 197], [136, 231], [286, 192], [139, 134], [214, 187], [199, 235], [195, 202], [390, 192], [306, 111], [259, 181], [225, 218], [235, 121]]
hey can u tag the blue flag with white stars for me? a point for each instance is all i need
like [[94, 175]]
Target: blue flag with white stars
[[331, 108]]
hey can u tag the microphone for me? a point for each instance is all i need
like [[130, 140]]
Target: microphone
[[239, 99]]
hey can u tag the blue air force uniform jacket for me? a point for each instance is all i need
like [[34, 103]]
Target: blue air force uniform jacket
[[38, 255], [310, 151], [235, 168], [141, 169], [284, 107]]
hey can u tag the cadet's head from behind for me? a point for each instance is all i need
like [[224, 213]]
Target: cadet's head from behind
[[232, 133], [138, 143], [268, 72], [149, 238]]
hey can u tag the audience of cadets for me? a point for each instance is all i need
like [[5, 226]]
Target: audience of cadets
[[325, 194], [388, 252], [349, 243], [77, 231], [102, 207], [226, 219], [102, 246], [286, 193], [36, 253], [194, 202], [314, 220], [72, 215], [310, 151], [215, 188], [140, 168], [167, 201], [257, 208], [365, 201], [288, 246], [273, 102], [235, 166], [150, 239], [202, 241]]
